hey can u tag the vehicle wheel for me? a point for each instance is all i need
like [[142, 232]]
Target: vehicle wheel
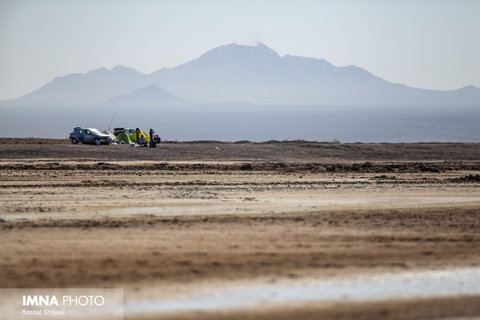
[[74, 141], [97, 142]]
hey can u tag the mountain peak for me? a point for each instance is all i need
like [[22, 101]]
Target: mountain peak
[[151, 88], [148, 95], [120, 67], [266, 49], [239, 51], [97, 71], [470, 89]]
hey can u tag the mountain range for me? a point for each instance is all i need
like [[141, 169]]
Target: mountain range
[[237, 92], [238, 73]]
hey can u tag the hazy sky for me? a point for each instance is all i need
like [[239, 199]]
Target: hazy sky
[[431, 44]]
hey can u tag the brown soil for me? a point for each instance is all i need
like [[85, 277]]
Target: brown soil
[[158, 227], [294, 151], [110, 252]]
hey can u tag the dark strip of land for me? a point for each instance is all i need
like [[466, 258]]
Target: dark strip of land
[[288, 151]]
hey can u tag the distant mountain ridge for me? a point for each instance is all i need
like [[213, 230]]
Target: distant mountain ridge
[[148, 96], [94, 86], [239, 73]]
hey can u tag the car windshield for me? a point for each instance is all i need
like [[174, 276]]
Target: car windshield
[[95, 131]]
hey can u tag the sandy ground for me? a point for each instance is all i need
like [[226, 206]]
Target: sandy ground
[[164, 229]]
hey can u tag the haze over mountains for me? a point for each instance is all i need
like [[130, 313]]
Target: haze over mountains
[[238, 73], [237, 92]]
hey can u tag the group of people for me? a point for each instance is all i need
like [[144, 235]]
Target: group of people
[[154, 138]]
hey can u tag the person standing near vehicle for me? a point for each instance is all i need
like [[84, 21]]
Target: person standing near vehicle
[[137, 131], [152, 141]]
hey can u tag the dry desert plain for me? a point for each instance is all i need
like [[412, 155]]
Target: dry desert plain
[[186, 219]]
